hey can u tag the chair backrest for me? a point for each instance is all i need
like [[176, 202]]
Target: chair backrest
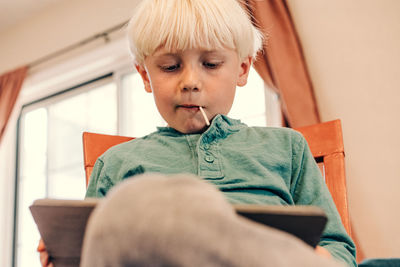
[[326, 144], [94, 145]]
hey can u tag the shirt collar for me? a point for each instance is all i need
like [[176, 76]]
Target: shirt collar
[[221, 126]]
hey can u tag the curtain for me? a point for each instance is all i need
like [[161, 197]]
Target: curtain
[[281, 63], [10, 86]]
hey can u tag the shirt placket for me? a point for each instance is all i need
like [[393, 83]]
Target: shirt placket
[[209, 158]]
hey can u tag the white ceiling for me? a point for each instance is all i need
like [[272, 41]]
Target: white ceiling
[[14, 11]]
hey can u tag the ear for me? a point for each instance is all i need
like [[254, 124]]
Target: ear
[[244, 69], [145, 77]]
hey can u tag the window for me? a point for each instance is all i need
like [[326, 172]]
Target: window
[[250, 102], [139, 114], [50, 156], [50, 130]]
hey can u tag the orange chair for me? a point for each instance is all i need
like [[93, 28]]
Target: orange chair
[[325, 141], [326, 144], [96, 144]]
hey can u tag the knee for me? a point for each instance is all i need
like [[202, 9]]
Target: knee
[[148, 208], [154, 190]]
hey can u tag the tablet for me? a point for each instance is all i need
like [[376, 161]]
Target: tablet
[[62, 224], [305, 222]]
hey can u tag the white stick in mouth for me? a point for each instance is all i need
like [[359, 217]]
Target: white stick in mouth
[[204, 116]]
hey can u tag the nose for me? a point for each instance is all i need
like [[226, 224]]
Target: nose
[[190, 79]]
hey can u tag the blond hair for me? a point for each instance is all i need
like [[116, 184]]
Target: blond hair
[[184, 24]]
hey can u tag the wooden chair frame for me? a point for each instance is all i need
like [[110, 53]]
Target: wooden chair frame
[[326, 144], [94, 145]]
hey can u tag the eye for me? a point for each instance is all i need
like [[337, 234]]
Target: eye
[[170, 68], [211, 65]]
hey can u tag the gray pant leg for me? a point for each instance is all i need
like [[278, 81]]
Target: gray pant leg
[[154, 220]]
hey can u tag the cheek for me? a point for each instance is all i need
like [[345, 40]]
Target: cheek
[[226, 87], [160, 88], [163, 99], [160, 97], [224, 97], [227, 99]]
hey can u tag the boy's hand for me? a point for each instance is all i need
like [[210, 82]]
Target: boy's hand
[[44, 256], [323, 252]]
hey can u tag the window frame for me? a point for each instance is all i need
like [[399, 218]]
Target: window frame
[[39, 103], [47, 85]]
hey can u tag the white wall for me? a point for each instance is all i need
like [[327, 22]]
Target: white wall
[[352, 49]]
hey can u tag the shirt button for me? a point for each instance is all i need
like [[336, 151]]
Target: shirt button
[[209, 159]]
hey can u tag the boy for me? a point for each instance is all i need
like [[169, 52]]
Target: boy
[[191, 54]]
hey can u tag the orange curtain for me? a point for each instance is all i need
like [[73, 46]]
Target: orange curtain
[[10, 86], [281, 63]]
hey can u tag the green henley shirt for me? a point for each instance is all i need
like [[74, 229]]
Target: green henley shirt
[[258, 165]]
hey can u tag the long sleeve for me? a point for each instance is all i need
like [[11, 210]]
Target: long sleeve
[[99, 183], [309, 188]]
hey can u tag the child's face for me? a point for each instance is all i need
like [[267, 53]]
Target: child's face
[[183, 81]]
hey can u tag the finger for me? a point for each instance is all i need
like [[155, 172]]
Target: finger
[[41, 247], [323, 252], [44, 258], [50, 265]]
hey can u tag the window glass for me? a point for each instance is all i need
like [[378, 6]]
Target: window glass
[[51, 156], [32, 182], [94, 111], [140, 114], [249, 104]]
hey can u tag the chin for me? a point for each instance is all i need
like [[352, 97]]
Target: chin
[[192, 129]]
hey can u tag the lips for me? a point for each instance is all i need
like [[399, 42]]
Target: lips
[[189, 106]]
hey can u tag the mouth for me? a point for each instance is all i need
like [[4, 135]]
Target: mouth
[[189, 106], [194, 109]]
